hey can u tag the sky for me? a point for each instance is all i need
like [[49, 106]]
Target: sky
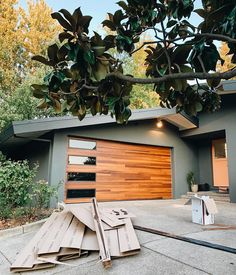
[[95, 8]]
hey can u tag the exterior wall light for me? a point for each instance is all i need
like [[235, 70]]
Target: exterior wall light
[[159, 124]]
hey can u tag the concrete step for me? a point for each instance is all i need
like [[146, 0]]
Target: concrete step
[[214, 195]]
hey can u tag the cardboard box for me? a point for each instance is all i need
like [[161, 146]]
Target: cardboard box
[[203, 210]]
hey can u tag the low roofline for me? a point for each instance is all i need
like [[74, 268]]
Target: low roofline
[[40, 126]]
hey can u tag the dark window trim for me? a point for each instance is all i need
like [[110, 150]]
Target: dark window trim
[[81, 139], [86, 191], [80, 164], [74, 181]]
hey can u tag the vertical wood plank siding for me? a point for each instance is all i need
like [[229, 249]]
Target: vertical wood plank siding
[[125, 171]]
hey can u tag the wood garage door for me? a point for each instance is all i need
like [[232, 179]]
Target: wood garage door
[[116, 171]]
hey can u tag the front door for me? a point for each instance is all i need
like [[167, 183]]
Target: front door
[[220, 163]]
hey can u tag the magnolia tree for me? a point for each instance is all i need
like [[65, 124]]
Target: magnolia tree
[[86, 77]]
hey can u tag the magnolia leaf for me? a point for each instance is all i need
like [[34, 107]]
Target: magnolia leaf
[[201, 13], [214, 83], [99, 50], [181, 54], [64, 23], [109, 41], [109, 24], [89, 57], [123, 5], [118, 17], [171, 23], [69, 17], [42, 59], [84, 21], [65, 35], [52, 53], [77, 14], [62, 53]]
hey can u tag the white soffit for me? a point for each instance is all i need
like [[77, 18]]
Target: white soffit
[[180, 121]]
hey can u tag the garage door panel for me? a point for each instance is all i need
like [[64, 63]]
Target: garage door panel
[[124, 171]]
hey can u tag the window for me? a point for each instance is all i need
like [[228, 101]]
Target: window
[[81, 176], [80, 193], [82, 160], [220, 149], [82, 144]]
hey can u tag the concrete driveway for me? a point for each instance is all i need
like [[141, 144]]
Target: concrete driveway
[[159, 255]]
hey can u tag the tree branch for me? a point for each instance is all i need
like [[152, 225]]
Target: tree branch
[[226, 75], [219, 37], [144, 44]]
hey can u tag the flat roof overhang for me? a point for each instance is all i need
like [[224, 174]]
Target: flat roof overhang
[[21, 132]]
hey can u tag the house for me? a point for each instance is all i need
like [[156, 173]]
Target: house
[[140, 160]]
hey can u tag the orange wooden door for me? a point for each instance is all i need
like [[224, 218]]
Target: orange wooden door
[[220, 163], [117, 171]]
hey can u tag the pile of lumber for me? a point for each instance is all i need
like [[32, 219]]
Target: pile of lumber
[[76, 231]]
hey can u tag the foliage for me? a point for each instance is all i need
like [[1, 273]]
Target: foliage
[[142, 96], [9, 41], [190, 179], [16, 180], [22, 35], [19, 192], [21, 104], [42, 193], [228, 65], [85, 76]]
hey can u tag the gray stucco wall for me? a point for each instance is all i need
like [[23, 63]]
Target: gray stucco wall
[[221, 121], [205, 163], [143, 132]]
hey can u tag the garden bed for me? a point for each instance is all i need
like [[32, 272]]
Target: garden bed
[[25, 219]]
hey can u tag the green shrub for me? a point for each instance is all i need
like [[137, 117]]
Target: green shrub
[[16, 181], [20, 194], [42, 193], [5, 211]]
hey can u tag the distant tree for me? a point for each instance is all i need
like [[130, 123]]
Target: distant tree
[[21, 105], [142, 96], [86, 77], [39, 30], [23, 34], [10, 41], [228, 65]]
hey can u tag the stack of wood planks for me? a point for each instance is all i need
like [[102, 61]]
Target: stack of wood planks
[[74, 232]]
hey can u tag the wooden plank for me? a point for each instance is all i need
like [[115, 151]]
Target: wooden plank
[[83, 214], [111, 220], [53, 238], [74, 235], [27, 258], [90, 241], [101, 237], [127, 237]]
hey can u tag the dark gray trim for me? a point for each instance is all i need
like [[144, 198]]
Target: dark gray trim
[[5, 135], [33, 129], [34, 139]]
